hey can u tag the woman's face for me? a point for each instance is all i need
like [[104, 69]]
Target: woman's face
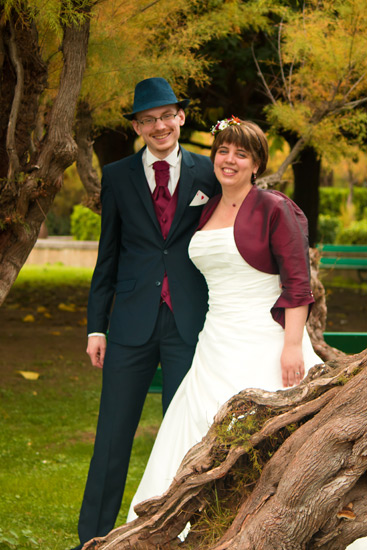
[[233, 166]]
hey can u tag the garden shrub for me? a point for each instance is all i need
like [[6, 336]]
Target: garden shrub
[[332, 199], [360, 201], [328, 228], [85, 224], [356, 233]]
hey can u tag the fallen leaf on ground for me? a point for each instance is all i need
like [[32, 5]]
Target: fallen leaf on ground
[[67, 307], [55, 333], [29, 318], [41, 309], [29, 375]]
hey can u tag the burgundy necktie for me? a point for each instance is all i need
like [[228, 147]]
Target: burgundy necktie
[[161, 194], [162, 198]]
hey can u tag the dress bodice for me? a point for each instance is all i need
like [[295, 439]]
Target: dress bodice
[[235, 288]]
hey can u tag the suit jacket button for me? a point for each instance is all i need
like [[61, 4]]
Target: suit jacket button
[[165, 252], [158, 283]]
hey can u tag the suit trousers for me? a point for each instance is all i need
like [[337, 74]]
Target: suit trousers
[[127, 375]]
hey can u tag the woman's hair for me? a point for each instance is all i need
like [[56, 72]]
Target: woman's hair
[[248, 136]]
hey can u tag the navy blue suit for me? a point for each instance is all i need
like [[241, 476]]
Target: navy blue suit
[[125, 298]]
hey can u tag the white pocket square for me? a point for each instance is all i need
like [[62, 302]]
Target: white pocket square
[[199, 199]]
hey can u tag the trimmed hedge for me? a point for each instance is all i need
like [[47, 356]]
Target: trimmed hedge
[[333, 198], [356, 233], [327, 228], [85, 224]]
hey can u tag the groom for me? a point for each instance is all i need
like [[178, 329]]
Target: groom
[[145, 291]]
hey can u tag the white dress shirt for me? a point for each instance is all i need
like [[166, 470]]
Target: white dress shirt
[[174, 161]]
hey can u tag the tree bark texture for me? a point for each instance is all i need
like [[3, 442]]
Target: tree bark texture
[[84, 163], [283, 470], [31, 170]]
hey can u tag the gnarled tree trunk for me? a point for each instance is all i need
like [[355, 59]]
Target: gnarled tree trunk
[[284, 470], [32, 170]]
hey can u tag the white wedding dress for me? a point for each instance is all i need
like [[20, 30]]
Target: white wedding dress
[[239, 347]]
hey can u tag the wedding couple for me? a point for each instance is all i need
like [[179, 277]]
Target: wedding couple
[[168, 262]]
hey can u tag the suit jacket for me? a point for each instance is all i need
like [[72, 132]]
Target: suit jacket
[[271, 234], [133, 255]]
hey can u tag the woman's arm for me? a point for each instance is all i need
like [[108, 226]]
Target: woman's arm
[[292, 357]]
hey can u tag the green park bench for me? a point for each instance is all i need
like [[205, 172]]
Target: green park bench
[[349, 342], [344, 256]]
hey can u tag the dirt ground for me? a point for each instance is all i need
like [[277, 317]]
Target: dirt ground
[[50, 325]]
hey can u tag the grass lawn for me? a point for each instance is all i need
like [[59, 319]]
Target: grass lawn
[[48, 425]]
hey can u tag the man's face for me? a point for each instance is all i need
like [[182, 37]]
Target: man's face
[[160, 136]]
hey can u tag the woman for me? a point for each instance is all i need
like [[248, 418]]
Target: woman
[[252, 248]]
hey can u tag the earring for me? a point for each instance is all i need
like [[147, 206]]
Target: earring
[[253, 178]]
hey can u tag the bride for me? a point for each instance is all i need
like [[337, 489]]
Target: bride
[[252, 248]]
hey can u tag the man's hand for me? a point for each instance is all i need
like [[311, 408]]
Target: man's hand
[[96, 350]]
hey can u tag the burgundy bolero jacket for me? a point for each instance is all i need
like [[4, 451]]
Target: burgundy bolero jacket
[[271, 234]]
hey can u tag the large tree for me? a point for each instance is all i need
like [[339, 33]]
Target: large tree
[[32, 161]]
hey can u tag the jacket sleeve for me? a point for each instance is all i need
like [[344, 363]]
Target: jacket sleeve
[[289, 246], [104, 277]]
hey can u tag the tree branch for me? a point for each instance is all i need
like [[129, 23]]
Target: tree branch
[[14, 163], [286, 89], [362, 77], [351, 104], [139, 11], [272, 179], [84, 161], [259, 72], [60, 149]]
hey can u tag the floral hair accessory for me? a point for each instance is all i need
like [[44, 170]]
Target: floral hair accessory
[[223, 124]]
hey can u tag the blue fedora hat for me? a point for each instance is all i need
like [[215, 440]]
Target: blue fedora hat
[[154, 92]]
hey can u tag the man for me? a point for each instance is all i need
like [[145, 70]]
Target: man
[[150, 210]]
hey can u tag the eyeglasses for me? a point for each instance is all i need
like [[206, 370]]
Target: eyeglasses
[[151, 121]]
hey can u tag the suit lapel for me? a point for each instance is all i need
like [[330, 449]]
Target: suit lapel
[[184, 187], [140, 183]]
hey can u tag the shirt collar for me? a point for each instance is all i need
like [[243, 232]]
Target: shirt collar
[[172, 158]]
